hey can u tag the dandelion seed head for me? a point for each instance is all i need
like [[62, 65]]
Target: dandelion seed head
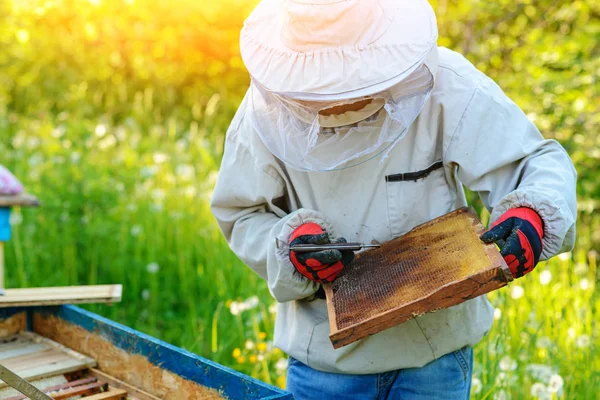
[[582, 341], [136, 230], [584, 284], [564, 256], [500, 395], [507, 364], [545, 277], [517, 292], [538, 389], [160, 158], [555, 384], [281, 366], [497, 313], [476, 386], [152, 268], [100, 130], [145, 294], [234, 308]]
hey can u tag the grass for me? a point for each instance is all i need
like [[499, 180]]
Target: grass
[[120, 206]]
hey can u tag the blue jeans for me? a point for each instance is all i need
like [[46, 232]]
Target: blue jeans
[[447, 378]]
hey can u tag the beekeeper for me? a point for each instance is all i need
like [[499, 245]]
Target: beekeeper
[[357, 127]]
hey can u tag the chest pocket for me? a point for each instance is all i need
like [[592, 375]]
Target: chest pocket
[[417, 197]]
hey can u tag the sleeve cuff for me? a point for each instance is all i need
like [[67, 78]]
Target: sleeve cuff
[[286, 284], [559, 223]]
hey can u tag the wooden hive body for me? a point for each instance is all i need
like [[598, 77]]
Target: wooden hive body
[[436, 265]]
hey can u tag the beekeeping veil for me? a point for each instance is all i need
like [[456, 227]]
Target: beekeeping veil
[[335, 83]]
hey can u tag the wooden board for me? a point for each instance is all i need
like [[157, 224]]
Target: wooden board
[[436, 265], [33, 357], [23, 200], [116, 383], [61, 295]]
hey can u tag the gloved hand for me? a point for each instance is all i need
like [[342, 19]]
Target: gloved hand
[[318, 266], [519, 233]]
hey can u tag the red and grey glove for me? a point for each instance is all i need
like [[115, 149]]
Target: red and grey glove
[[318, 266], [519, 233]]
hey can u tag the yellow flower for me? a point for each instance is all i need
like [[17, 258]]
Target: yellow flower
[[252, 359], [281, 382], [261, 346], [262, 335], [241, 360], [236, 353], [277, 352]]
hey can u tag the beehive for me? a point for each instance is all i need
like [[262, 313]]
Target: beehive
[[436, 265]]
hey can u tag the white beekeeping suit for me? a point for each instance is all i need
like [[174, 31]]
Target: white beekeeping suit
[[431, 124]]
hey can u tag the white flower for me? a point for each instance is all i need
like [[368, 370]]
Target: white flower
[[281, 366], [497, 313], [249, 344], [251, 302], [582, 341], [517, 292], [564, 256], [556, 383], [581, 269], [545, 277], [159, 158], [500, 395], [152, 268], [100, 130], [273, 308], [507, 364], [584, 284], [260, 357], [136, 230], [145, 294], [476, 386], [571, 333], [234, 308]]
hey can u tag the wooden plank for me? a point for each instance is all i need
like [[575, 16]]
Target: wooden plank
[[20, 384], [61, 295], [48, 359], [114, 382], [82, 390], [59, 387], [436, 265], [23, 200], [111, 394]]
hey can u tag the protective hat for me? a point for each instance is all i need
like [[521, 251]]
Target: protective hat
[[336, 49]]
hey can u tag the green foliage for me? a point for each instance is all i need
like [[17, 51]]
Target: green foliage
[[114, 112]]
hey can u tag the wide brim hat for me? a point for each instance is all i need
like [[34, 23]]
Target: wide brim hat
[[335, 49]]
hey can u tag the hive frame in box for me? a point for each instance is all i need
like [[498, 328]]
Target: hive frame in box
[[132, 357]]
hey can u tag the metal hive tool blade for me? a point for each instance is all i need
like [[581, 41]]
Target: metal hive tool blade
[[436, 265]]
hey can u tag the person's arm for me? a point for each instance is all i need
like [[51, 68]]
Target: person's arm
[[498, 152], [249, 204]]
